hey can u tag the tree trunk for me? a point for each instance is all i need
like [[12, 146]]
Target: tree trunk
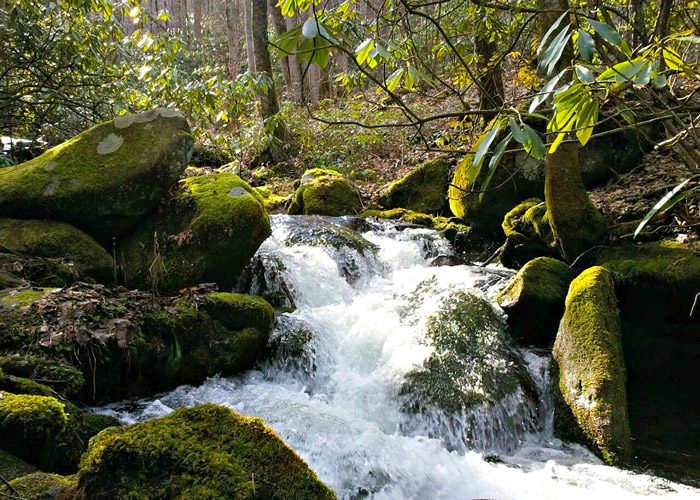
[[280, 28], [233, 37], [491, 91], [269, 107], [197, 22], [248, 23], [294, 67], [576, 223]]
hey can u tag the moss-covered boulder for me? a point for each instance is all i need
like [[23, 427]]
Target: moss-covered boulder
[[12, 467], [29, 425], [42, 486], [130, 344], [206, 232], [203, 452], [472, 367], [589, 370], [325, 192], [528, 234], [30, 369], [657, 286], [104, 180], [534, 300], [424, 189], [83, 257]]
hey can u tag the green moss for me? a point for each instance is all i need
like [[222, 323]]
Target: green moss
[[528, 234], [237, 312], [12, 467], [205, 452], [9, 280], [590, 367], [513, 223], [29, 425], [534, 300], [64, 378], [104, 180], [19, 385], [41, 486], [324, 192], [57, 240], [206, 233], [424, 189], [23, 298]]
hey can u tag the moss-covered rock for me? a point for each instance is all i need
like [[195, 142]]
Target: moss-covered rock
[[589, 369], [22, 297], [12, 467], [104, 180], [42, 486], [205, 452], [324, 192], [130, 344], [63, 378], [657, 285], [528, 234], [10, 280], [55, 240], [29, 425], [534, 300], [424, 189], [206, 233]]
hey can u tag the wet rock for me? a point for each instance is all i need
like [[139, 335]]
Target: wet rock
[[534, 301], [203, 452], [105, 180], [207, 231], [589, 370], [325, 192]]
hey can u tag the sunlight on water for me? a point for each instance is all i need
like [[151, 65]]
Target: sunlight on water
[[361, 323]]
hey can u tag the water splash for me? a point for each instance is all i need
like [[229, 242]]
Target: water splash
[[333, 388]]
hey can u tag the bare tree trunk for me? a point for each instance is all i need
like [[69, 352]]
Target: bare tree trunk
[[233, 36], [294, 67], [269, 106], [576, 223], [314, 74], [197, 25], [247, 21], [280, 28], [491, 91]]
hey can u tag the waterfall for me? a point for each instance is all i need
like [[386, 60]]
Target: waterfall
[[393, 376]]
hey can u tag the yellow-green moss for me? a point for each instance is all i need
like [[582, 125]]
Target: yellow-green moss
[[534, 300], [528, 234], [102, 194], [207, 232], [424, 189], [205, 452], [589, 369], [56, 240], [66, 379], [237, 312], [513, 223], [23, 298], [324, 192], [42, 486], [12, 467]]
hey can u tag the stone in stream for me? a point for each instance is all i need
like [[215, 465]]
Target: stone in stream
[[424, 189], [106, 179], [206, 232], [203, 452], [588, 370], [534, 301], [325, 192]]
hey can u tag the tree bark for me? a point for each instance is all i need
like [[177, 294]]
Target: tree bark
[[269, 106], [491, 93], [233, 37], [248, 23], [576, 223], [280, 28], [197, 21]]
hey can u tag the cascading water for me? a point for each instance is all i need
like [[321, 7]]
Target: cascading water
[[374, 382]]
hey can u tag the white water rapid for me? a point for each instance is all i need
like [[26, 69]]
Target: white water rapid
[[336, 389]]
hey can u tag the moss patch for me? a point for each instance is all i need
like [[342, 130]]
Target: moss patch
[[528, 234], [12, 467], [22, 298], [589, 369], [41, 486], [324, 192], [104, 180], [205, 452], [206, 233], [424, 189], [534, 300]]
